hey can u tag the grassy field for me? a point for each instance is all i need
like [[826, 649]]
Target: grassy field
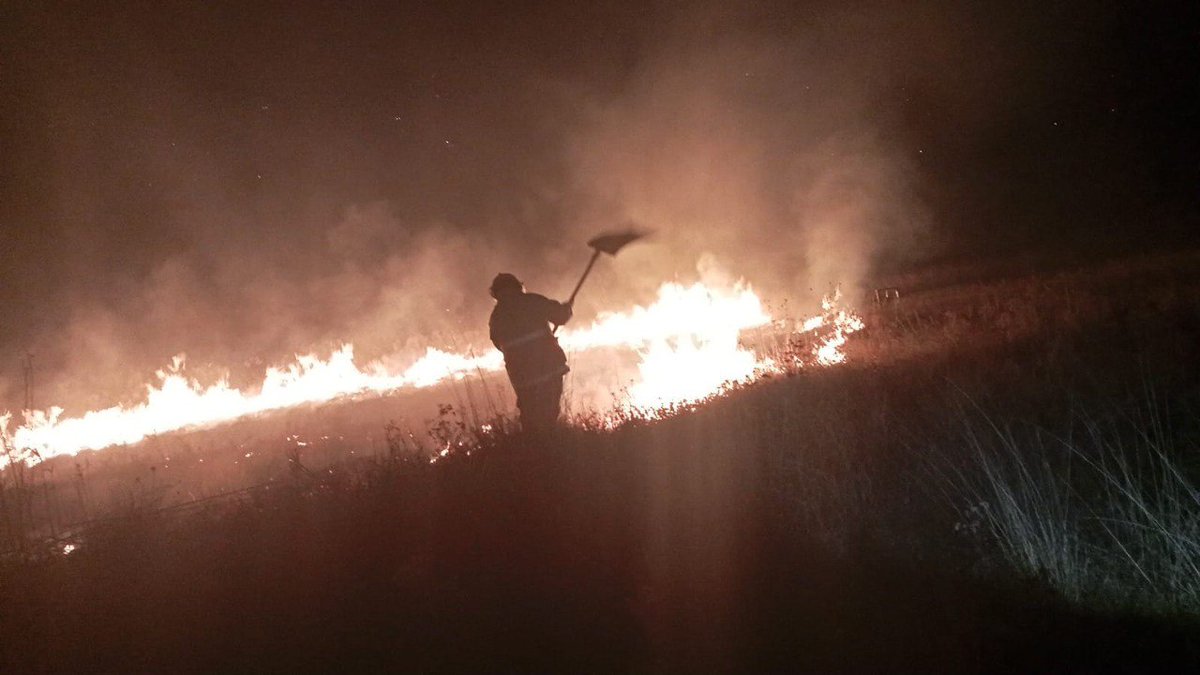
[[1003, 478]]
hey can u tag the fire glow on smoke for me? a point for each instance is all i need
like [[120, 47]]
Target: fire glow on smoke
[[688, 343]]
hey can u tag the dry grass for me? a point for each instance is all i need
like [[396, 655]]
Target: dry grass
[[1105, 508], [1047, 438]]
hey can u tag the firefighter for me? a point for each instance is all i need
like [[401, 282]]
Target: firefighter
[[520, 327]]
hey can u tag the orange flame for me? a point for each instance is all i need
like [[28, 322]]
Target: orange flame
[[844, 322], [687, 341]]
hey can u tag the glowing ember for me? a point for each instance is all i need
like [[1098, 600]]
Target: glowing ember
[[687, 342]]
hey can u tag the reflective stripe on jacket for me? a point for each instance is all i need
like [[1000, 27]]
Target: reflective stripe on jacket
[[520, 328]]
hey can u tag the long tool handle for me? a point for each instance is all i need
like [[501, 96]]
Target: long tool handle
[[586, 271]]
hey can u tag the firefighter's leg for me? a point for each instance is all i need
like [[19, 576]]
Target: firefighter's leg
[[527, 404], [539, 403], [553, 400]]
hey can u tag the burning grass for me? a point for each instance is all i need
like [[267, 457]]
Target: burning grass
[[686, 342], [827, 519]]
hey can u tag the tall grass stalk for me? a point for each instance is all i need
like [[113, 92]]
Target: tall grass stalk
[[1105, 510]]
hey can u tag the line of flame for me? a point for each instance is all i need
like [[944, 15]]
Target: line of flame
[[687, 340]]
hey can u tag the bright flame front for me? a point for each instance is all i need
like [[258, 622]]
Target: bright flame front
[[687, 343]]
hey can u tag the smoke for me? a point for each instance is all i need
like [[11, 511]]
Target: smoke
[[241, 227], [389, 288], [773, 153]]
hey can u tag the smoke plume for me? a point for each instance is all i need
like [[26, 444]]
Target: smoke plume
[[240, 186]]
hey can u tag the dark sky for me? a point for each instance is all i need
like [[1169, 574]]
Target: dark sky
[[242, 180]]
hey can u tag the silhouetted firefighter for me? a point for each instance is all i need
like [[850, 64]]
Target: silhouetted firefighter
[[520, 327]]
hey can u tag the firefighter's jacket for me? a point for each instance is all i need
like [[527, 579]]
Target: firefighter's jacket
[[520, 328]]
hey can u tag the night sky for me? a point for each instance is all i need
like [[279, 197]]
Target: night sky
[[239, 181]]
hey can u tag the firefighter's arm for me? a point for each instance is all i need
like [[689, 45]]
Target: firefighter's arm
[[559, 312]]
